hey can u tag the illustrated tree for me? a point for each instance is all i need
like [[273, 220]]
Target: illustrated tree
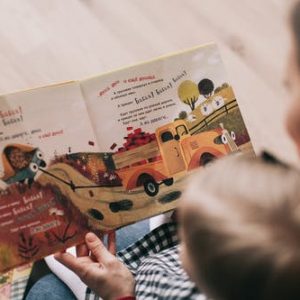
[[188, 93], [206, 87], [218, 89], [183, 115], [225, 85]]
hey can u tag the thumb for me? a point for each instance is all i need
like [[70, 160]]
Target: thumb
[[97, 248]]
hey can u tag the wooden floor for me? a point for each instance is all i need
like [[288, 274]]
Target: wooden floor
[[47, 41]]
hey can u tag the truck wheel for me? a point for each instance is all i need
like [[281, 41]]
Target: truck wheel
[[151, 187], [168, 182], [206, 158]]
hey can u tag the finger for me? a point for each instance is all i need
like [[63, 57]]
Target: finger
[[69, 261], [84, 267], [60, 252], [64, 258], [82, 250], [97, 248], [111, 239]]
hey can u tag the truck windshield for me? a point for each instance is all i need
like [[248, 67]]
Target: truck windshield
[[166, 136], [181, 130]]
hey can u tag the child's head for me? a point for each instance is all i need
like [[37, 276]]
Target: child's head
[[241, 230]]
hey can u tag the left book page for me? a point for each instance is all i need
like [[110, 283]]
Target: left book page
[[46, 140]]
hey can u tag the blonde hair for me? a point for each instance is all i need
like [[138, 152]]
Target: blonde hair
[[241, 224]]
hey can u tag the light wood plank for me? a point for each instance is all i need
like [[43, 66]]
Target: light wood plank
[[47, 41]]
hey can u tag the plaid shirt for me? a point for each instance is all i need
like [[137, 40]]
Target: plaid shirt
[[154, 261], [17, 287]]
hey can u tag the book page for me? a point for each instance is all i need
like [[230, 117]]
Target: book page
[[49, 158], [157, 122]]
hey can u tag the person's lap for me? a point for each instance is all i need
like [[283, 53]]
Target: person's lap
[[51, 287]]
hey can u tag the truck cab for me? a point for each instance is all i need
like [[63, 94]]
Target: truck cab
[[169, 138], [182, 151]]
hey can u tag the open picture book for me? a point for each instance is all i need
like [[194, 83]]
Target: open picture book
[[107, 151]]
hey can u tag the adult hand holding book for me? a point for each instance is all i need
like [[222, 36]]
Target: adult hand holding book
[[99, 269]]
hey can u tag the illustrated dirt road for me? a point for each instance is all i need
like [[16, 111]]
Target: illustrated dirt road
[[111, 207]]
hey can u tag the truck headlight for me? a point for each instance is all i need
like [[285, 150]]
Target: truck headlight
[[224, 139], [233, 136], [218, 140]]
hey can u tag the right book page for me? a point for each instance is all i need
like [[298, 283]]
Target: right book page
[[158, 121]]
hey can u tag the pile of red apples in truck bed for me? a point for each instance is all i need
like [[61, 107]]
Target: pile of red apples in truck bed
[[135, 139]]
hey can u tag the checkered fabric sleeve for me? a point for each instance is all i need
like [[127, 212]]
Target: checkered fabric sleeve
[[161, 276], [18, 288], [159, 239]]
